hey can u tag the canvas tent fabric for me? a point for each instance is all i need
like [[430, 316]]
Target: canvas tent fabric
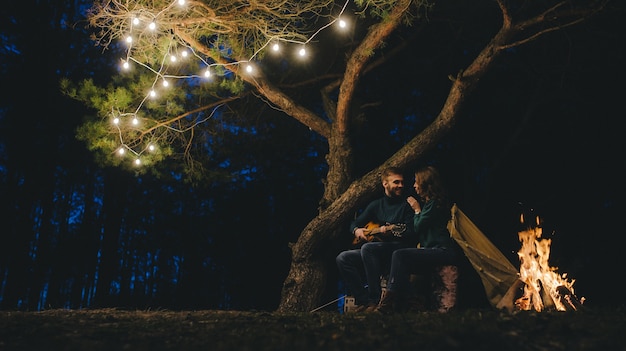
[[496, 272]]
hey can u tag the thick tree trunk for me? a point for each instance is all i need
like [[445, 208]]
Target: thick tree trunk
[[339, 160]]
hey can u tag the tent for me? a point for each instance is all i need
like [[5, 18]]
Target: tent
[[499, 277]]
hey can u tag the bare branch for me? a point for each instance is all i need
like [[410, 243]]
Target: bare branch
[[557, 17]]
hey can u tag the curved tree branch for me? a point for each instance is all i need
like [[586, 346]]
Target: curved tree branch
[[354, 68], [268, 90]]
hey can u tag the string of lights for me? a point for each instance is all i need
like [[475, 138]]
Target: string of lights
[[144, 25]]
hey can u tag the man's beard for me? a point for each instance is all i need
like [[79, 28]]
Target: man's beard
[[396, 192]]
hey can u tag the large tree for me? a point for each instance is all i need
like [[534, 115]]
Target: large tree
[[232, 40]]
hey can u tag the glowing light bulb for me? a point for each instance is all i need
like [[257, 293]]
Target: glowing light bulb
[[184, 53], [207, 73], [135, 21], [173, 58], [181, 2], [151, 147], [116, 120], [137, 162], [135, 121], [276, 47], [165, 83], [249, 68], [121, 151], [342, 24], [152, 93], [152, 26], [126, 65], [302, 52], [129, 39]]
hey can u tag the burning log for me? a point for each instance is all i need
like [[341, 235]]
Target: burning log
[[568, 299], [548, 301], [507, 301], [516, 300]]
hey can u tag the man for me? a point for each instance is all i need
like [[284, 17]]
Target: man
[[379, 230]]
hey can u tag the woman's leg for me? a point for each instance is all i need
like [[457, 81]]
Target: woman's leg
[[410, 260], [407, 261]]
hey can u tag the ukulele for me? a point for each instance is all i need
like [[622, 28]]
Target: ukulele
[[373, 233]]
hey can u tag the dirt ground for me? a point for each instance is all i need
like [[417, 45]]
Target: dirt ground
[[473, 329]]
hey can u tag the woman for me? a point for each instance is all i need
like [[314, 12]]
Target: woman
[[433, 245]]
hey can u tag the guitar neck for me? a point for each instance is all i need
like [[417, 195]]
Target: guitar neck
[[374, 231]]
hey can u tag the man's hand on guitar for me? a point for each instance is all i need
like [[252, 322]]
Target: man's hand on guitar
[[359, 235]]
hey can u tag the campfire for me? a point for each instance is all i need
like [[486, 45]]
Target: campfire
[[543, 287]]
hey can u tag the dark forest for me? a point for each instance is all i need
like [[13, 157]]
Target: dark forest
[[542, 136]]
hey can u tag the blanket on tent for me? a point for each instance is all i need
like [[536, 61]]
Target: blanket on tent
[[495, 270]]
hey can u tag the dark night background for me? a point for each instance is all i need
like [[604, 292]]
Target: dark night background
[[542, 135]]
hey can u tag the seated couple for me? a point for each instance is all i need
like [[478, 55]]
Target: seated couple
[[413, 235]]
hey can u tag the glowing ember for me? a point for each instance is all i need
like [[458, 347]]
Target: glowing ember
[[543, 287]]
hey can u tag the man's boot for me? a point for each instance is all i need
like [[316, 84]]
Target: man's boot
[[386, 303]]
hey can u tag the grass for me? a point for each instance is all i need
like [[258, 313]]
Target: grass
[[471, 329]]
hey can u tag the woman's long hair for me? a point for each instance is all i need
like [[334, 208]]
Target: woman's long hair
[[431, 186]]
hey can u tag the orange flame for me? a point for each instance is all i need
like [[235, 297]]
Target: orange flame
[[541, 281]]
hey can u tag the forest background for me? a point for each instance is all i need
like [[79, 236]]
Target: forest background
[[541, 137]]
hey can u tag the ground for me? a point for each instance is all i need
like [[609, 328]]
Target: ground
[[472, 329]]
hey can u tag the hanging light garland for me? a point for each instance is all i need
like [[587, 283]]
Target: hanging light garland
[[144, 24]]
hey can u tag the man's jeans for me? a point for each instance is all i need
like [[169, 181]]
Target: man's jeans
[[365, 266]]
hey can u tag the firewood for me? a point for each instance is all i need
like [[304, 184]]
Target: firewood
[[508, 300], [568, 299]]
